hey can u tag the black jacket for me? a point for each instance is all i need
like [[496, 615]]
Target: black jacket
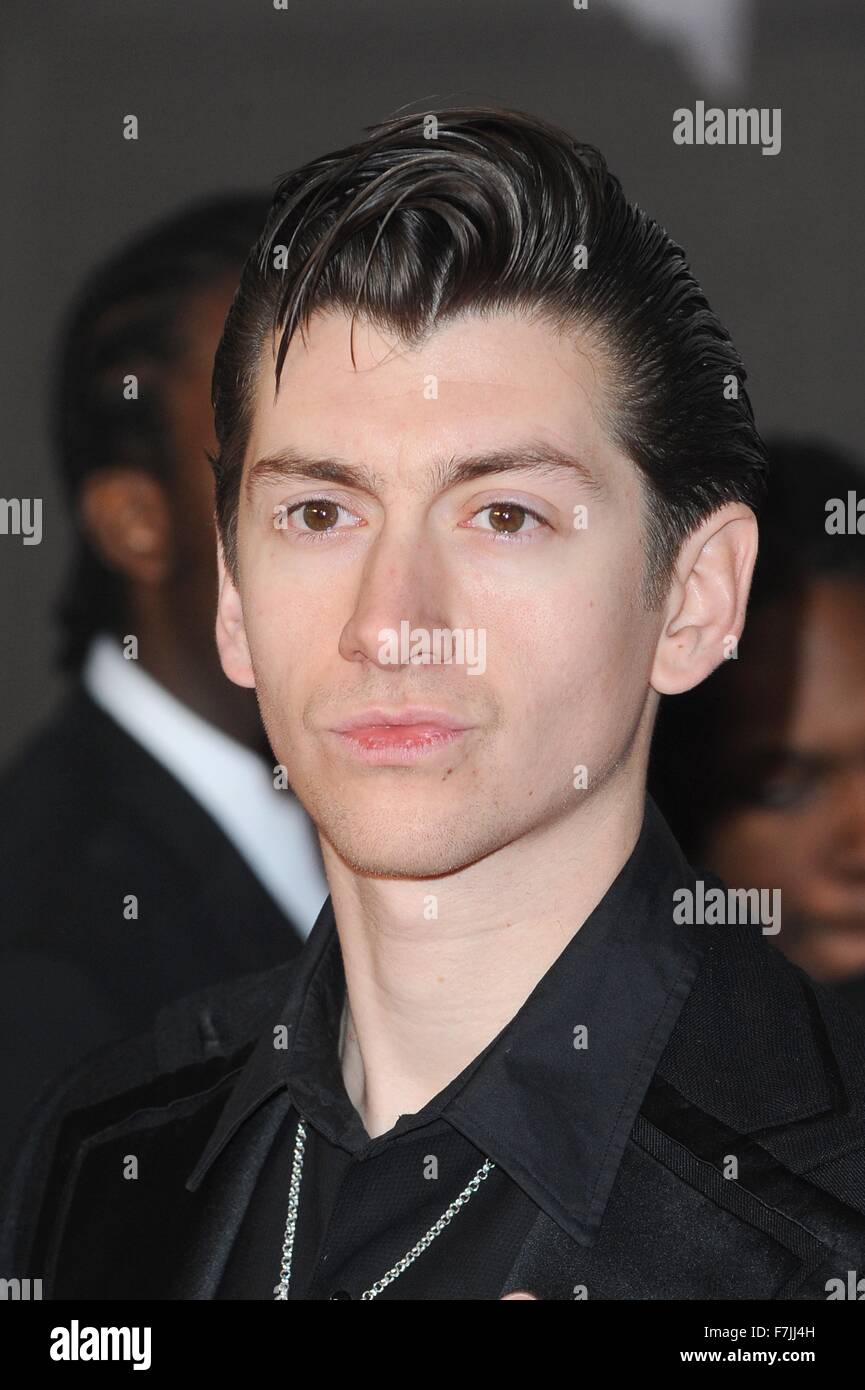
[[762, 1066], [87, 817]]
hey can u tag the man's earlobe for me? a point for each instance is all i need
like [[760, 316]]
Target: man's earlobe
[[230, 629], [705, 612]]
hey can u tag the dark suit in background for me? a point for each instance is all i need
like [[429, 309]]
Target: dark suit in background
[[88, 817]]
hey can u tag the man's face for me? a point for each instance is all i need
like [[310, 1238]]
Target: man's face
[[799, 715], [548, 593]]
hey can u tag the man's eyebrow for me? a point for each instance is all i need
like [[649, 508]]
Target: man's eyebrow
[[532, 457], [287, 464]]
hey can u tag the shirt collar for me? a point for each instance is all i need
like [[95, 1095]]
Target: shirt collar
[[268, 828], [553, 1098]]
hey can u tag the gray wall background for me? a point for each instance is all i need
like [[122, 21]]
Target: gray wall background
[[233, 93]]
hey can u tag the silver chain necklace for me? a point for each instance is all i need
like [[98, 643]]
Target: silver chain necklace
[[281, 1289]]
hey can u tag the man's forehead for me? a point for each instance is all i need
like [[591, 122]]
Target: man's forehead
[[476, 385], [471, 351]]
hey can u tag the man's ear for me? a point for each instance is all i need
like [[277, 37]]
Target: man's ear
[[705, 609], [126, 517], [230, 629]]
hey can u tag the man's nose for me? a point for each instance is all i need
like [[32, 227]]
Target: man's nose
[[403, 582]]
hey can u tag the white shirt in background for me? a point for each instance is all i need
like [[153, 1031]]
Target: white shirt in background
[[269, 828]]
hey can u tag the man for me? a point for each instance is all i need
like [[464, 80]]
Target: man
[[487, 505], [780, 730], [144, 850]]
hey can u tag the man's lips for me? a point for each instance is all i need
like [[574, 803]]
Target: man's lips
[[379, 735], [411, 717]]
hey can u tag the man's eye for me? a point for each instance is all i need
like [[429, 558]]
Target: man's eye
[[316, 515], [508, 518]]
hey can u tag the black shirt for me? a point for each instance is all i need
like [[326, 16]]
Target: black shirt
[[550, 1102]]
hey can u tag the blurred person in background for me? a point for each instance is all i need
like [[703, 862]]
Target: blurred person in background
[[145, 849], [761, 769]]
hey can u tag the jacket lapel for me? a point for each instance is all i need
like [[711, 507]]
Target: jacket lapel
[[224, 1196], [548, 1263], [719, 1089]]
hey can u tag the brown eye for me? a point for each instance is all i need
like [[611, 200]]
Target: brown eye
[[506, 517], [320, 515]]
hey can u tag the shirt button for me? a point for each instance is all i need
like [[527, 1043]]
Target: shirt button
[[340, 1293]]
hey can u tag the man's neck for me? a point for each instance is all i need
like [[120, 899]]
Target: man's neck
[[436, 969]]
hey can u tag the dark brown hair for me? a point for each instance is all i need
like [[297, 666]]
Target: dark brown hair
[[481, 209]]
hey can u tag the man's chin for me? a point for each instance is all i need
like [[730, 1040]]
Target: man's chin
[[408, 865], [422, 853]]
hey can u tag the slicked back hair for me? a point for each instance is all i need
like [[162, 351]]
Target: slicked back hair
[[482, 210]]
